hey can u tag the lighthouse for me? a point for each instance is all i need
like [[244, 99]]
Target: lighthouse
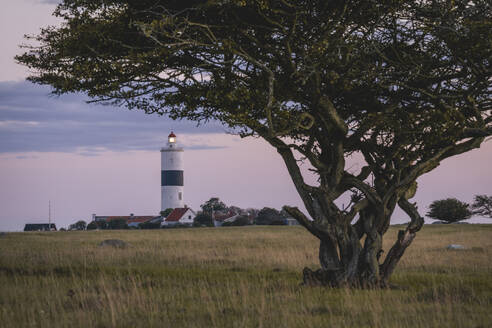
[[172, 174]]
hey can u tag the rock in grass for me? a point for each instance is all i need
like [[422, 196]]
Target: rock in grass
[[117, 243], [455, 246]]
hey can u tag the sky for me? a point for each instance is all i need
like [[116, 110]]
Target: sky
[[93, 159]]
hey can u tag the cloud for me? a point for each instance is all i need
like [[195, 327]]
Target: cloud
[[25, 157], [31, 119]]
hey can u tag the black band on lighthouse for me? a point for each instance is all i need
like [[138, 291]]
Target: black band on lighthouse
[[172, 178]]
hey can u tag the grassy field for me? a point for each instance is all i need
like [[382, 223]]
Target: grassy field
[[234, 277]]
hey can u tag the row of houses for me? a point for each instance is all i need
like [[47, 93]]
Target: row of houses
[[40, 227], [179, 216], [184, 216]]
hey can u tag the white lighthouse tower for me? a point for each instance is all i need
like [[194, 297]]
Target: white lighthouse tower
[[172, 177]]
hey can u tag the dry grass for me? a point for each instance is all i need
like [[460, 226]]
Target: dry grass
[[234, 277]]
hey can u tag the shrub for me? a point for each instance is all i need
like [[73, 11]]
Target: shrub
[[449, 210]]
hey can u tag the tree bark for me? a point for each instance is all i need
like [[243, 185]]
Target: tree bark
[[346, 263], [405, 238]]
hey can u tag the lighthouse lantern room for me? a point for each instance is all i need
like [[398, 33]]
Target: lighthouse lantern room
[[172, 174]]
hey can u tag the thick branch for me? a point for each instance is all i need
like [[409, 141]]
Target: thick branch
[[405, 238], [310, 225], [367, 190]]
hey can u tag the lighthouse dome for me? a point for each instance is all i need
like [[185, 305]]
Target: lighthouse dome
[[171, 138]]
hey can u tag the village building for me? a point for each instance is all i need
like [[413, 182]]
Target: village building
[[40, 227], [180, 215], [131, 220], [220, 217]]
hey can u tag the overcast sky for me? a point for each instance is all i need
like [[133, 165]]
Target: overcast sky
[[100, 159]]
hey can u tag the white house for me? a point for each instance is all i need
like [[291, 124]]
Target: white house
[[180, 215]]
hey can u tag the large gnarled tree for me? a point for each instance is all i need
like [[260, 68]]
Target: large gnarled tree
[[405, 84]]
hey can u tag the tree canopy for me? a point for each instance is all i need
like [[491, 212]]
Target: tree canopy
[[212, 205], [482, 205], [79, 225], [449, 210], [166, 212], [204, 219], [268, 216], [405, 84]]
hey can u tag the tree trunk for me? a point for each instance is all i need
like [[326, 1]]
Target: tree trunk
[[346, 263], [350, 255]]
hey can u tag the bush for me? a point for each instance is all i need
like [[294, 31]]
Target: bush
[[97, 225], [203, 219], [149, 225], [449, 210], [166, 212], [269, 216], [80, 225]]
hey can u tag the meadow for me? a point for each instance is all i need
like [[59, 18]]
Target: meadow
[[235, 277]]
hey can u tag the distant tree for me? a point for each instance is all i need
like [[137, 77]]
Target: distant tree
[[252, 212], [482, 205], [241, 220], [212, 205], [97, 225], [117, 224], [269, 216], [449, 210], [235, 209], [203, 219], [166, 212], [80, 225]]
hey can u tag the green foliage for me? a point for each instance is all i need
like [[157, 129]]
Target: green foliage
[[149, 225], [203, 219], [449, 210], [269, 216], [80, 225], [212, 205], [482, 205], [97, 225], [166, 212]]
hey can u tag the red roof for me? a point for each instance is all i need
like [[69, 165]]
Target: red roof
[[172, 135], [177, 214], [224, 215], [140, 219], [131, 218]]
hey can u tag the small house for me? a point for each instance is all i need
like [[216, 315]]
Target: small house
[[180, 215], [40, 227], [224, 216]]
